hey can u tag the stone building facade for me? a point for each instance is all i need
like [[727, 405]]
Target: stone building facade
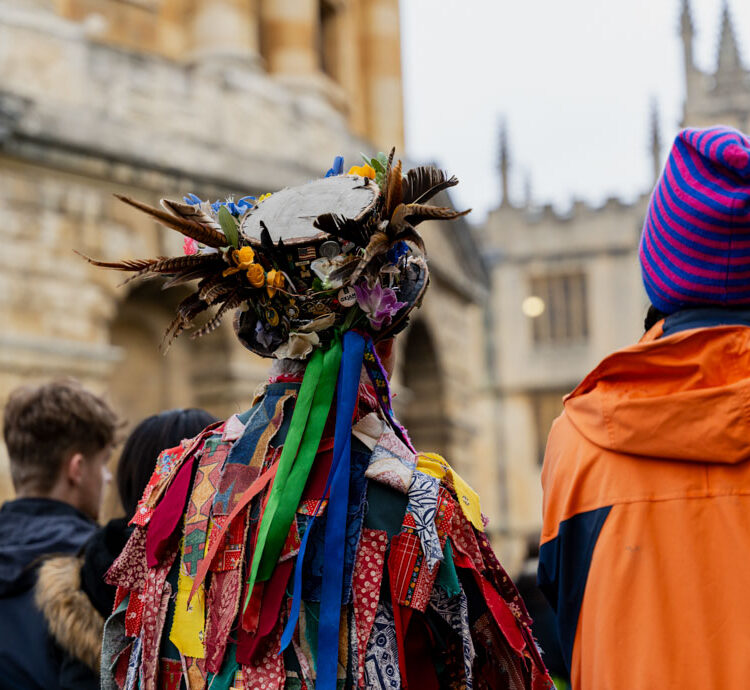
[[566, 291], [219, 98]]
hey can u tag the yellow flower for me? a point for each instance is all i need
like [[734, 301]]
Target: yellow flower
[[275, 280], [362, 171], [263, 197], [244, 257], [255, 275]]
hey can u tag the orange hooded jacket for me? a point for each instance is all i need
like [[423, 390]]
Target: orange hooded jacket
[[645, 548]]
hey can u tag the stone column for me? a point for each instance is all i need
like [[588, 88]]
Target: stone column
[[224, 30], [382, 72], [290, 35]]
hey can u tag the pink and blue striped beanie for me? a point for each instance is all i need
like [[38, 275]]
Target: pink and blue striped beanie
[[695, 246]]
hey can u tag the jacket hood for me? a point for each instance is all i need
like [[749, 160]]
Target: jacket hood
[[684, 397], [35, 527]]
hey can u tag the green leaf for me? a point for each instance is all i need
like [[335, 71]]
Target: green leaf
[[229, 226], [383, 160], [366, 158]]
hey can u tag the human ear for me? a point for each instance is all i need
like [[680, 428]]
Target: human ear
[[75, 469]]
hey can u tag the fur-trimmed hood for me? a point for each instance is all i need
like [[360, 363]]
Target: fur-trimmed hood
[[73, 621]]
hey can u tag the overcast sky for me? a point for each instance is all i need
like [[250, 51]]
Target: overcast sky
[[573, 79]]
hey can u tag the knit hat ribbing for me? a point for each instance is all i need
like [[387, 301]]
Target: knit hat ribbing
[[695, 246]]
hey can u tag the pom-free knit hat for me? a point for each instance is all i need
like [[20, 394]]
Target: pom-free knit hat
[[695, 246]]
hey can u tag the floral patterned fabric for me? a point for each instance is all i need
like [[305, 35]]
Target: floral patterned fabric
[[441, 571]]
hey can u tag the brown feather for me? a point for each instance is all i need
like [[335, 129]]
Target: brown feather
[[416, 213], [191, 212], [378, 245], [422, 183], [343, 228], [127, 265], [190, 228], [234, 300], [394, 192]]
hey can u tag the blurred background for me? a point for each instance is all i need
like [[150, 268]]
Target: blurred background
[[556, 117]]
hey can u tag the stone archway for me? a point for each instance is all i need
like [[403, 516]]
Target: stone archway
[[424, 409]]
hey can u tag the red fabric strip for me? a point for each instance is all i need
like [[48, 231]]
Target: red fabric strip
[[167, 515], [217, 539]]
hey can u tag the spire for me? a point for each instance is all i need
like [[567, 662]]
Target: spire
[[655, 140], [687, 32], [729, 54], [504, 162]]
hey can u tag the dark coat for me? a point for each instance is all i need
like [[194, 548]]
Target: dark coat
[[31, 528]]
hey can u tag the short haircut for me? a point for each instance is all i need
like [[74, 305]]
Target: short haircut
[[44, 425], [145, 443]]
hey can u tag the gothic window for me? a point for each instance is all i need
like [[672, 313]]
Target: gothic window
[[561, 313]]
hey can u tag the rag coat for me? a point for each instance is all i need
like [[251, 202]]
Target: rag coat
[[647, 512]]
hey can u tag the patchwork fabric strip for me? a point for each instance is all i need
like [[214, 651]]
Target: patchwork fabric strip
[[368, 576], [381, 658], [223, 604], [166, 465], [422, 506], [135, 656], [392, 462], [157, 595], [455, 612], [436, 466], [129, 569], [170, 674], [268, 672]]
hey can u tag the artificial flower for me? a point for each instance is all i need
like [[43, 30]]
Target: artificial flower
[[244, 257], [255, 275], [378, 303], [302, 342], [263, 197], [264, 336], [362, 171], [274, 280], [337, 168], [189, 246]]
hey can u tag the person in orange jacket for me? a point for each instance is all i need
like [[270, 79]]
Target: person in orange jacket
[[646, 476]]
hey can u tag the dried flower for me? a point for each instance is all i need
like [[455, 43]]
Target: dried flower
[[337, 168], [244, 258], [275, 280], [255, 275], [362, 171], [378, 303]]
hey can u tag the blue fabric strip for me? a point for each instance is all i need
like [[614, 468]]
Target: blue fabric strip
[[333, 572], [338, 484]]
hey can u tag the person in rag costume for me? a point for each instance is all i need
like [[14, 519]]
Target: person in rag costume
[[305, 543]]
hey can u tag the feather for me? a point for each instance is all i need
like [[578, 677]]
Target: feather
[[213, 287], [416, 213], [187, 226], [190, 212], [343, 228], [345, 270], [200, 273], [234, 300], [422, 183], [394, 192], [127, 265], [379, 244]]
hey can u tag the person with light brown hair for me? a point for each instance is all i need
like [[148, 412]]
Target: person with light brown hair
[[59, 438]]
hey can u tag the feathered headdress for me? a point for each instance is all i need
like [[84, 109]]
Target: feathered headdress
[[340, 251]]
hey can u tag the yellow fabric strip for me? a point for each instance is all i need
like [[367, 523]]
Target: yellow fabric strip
[[188, 624], [436, 466]]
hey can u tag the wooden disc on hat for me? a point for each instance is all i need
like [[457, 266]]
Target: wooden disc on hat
[[290, 213]]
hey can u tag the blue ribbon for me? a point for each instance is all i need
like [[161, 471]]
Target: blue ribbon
[[335, 536]]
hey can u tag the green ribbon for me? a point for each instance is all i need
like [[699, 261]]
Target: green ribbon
[[297, 456]]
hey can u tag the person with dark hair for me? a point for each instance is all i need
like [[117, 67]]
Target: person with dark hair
[[59, 438], [71, 590], [646, 475]]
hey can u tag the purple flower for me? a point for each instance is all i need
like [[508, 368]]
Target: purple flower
[[378, 303]]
